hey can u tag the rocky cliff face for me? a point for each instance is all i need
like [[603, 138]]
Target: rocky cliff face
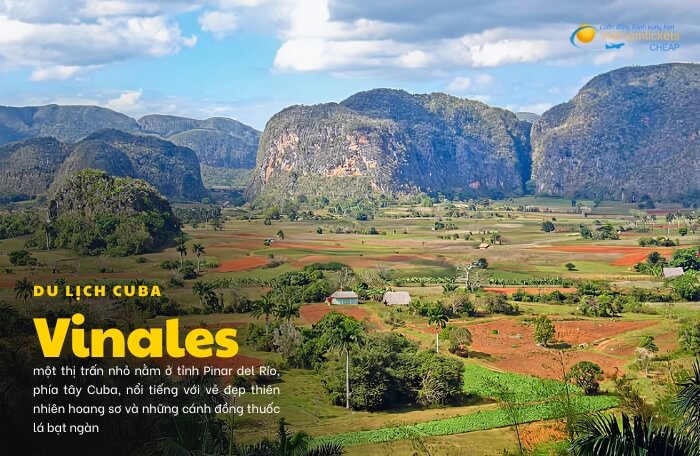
[[635, 130], [387, 141]]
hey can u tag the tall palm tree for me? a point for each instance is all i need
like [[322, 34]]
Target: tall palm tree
[[437, 315], [181, 248], [343, 338], [24, 289], [688, 403], [287, 309], [198, 250], [264, 306], [603, 434]]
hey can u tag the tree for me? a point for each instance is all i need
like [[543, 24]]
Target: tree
[[287, 309], [217, 223], [264, 306], [198, 250], [544, 330], [646, 351], [547, 226], [21, 258], [686, 286], [689, 337], [343, 337], [688, 259], [570, 266], [688, 403], [181, 248], [585, 375], [473, 275], [437, 316], [24, 290], [459, 340], [602, 434], [202, 289], [288, 444], [280, 235]]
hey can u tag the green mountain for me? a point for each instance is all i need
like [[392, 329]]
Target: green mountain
[[226, 148], [94, 213], [389, 141], [32, 166], [632, 131], [27, 168]]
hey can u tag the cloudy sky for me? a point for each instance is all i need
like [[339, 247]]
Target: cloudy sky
[[250, 58]]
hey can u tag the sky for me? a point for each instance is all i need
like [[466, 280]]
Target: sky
[[248, 59]]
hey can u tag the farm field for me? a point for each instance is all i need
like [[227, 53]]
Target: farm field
[[407, 253]]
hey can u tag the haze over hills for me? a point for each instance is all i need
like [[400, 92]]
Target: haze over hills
[[386, 141], [225, 147], [627, 131]]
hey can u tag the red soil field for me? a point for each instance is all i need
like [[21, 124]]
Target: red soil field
[[535, 434], [514, 348], [7, 284], [241, 264], [532, 290], [630, 255], [312, 313]]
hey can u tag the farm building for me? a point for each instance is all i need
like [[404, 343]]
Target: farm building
[[484, 245], [396, 298], [672, 272], [344, 298]]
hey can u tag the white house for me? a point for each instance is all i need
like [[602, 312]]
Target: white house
[[344, 298]]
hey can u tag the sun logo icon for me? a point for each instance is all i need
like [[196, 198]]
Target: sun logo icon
[[584, 34]]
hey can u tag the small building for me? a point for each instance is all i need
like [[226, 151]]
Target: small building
[[344, 298], [484, 245], [672, 272], [396, 298]]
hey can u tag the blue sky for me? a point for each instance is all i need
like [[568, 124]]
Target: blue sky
[[248, 59]]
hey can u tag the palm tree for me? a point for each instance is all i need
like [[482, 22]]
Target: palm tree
[[264, 306], [287, 309], [49, 231], [198, 249], [600, 434], [342, 338], [288, 444], [24, 289], [181, 248], [437, 315], [202, 290], [688, 403]]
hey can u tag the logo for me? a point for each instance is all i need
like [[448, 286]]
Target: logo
[[606, 37], [584, 35]]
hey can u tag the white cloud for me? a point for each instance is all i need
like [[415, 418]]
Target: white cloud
[[128, 102], [219, 23], [56, 72]]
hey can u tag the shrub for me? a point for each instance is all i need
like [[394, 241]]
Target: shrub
[[585, 375]]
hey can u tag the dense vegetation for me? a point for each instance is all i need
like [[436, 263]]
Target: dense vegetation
[[93, 213]]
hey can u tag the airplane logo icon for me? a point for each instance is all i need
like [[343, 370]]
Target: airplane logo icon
[[614, 45]]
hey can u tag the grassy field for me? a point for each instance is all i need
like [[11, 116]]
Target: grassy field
[[408, 247]]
